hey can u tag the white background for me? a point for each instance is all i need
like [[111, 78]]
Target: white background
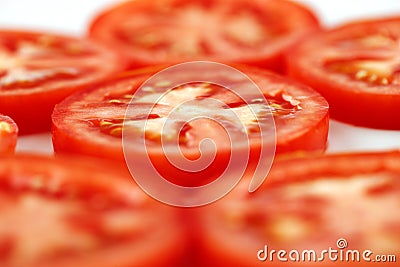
[[72, 17]]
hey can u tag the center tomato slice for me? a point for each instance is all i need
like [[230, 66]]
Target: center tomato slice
[[8, 135], [173, 31], [342, 202], [64, 212], [38, 70], [91, 122]]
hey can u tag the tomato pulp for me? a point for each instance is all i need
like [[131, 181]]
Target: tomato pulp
[[356, 68], [75, 212], [92, 122], [173, 31], [8, 135], [38, 70], [337, 203]]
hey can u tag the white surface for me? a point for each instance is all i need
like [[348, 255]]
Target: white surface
[[72, 16]]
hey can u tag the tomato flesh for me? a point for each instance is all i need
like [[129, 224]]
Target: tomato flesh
[[356, 69], [307, 204], [8, 135], [92, 122], [173, 31], [38, 70], [64, 212]]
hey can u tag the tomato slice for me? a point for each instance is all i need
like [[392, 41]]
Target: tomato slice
[[8, 135], [174, 31], [91, 122], [356, 68], [313, 203], [74, 212], [38, 70]]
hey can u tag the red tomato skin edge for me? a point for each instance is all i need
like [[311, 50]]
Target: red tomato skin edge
[[316, 140], [9, 141], [37, 108], [63, 143], [360, 109], [292, 165]]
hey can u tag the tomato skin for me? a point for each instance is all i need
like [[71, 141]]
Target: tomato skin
[[31, 105], [65, 143], [305, 130], [39, 105], [300, 21], [83, 182], [313, 139], [8, 135], [352, 100], [234, 229]]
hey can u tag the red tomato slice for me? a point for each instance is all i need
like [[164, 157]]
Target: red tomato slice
[[172, 31], [91, 122], [38, 70], [357, 68], [72, 213], [8, 135], [314, 204]]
